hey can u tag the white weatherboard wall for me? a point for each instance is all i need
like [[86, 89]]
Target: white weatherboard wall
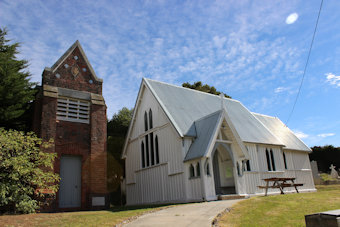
[[163, 182], [193, 184], [298, 166]]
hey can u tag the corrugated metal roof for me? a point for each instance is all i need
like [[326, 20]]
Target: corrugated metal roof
[[185, 106], [280, 130], [205, 128]]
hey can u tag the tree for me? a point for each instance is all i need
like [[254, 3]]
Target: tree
[[117, 128], [16, 91], [26, 171], [205, 88], [325, 156]]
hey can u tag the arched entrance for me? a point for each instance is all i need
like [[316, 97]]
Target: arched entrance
[[223, 170]]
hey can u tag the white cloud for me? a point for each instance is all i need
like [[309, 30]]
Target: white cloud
[[234, 50], [333, 79], [219, 41], [292, 18], [324, 135], [280, 89], [300, 134]]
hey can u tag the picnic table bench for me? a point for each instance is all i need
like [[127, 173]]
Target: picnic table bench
[[281, 183]]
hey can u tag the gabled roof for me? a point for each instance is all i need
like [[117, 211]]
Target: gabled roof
[[67, 53], [205, 129], [184, 106], [280, 130], [196, 114]]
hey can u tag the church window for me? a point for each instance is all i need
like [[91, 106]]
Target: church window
[[152, 150], [269, 167], [145, 121], [284, 160], [238, 169], [270, 160], [157, 151], [151, 142], [143, 155], [198, 169], [73, 110], [147, 150], [150, 119], [192, 171], [248, 165], [208, 169]]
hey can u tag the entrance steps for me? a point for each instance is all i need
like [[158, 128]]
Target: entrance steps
[[230, 197]]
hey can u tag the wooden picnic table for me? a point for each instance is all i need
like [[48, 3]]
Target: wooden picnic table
[[281, 183]]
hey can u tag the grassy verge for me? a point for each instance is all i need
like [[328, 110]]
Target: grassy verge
[[282, 210], [109, 217]]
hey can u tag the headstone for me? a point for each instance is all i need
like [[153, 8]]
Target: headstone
[[315, 172], [334, 173], [324, 219]]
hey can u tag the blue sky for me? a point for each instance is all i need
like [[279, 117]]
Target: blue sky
[[254, 51]]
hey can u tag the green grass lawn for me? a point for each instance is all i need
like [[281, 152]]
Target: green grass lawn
[[282, 210], [109, 217]]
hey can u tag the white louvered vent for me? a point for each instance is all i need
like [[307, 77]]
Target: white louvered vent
[[73, 110]]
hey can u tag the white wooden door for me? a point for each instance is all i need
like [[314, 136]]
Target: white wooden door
[[70, 182]]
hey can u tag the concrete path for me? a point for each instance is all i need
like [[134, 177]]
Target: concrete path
[[193, 214]]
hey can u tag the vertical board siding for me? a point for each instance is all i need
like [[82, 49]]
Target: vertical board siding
[[195, 189], [298, 166], [194, 185], [261, 155], [154, 185], [300, 160], [170, 149], [151, 184], [254, 165], [133, 161], [159, 183], [175, 189]]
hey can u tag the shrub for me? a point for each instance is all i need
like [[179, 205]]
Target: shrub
[[25, 171]]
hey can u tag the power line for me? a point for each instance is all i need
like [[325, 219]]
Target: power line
[[304, 71]]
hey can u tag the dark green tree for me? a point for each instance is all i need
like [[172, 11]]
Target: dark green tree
[[204, 88], [26, 172], [325, 156], [16, 90], [117, 128]]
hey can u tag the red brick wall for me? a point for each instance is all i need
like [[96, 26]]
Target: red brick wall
[[71, 138], [67, 80], [98, 146]]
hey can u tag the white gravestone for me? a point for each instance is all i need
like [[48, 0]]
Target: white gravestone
[[334, 173]]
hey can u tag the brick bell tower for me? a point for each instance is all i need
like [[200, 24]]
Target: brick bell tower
[[71, 110]]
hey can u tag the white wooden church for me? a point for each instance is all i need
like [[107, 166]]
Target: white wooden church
[[184, 145]]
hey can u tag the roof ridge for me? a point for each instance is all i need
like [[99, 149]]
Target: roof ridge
[[263, 115], [200, 92], [209, 115]]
